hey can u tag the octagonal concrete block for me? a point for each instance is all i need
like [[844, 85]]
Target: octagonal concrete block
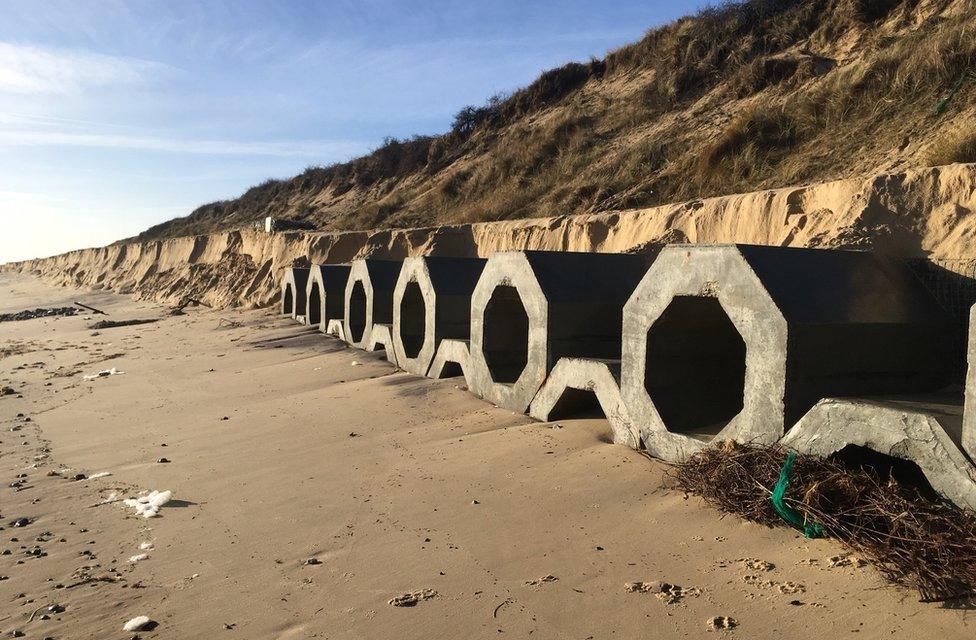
[[368, 298], [572, 303], [294, 284], [814, 323], [325, 294], [432, 302], [717, 272]]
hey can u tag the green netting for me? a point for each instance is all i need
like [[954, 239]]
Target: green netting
[[795, 518], [941, 105]]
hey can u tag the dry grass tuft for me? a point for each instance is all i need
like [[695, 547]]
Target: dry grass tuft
[[956, 146], [754, 141]]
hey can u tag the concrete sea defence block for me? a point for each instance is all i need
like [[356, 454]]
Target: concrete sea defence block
[[903, 430], [369, 298], [532, 308], [737, 342], [294, 283], [574, 378], [326, 294], [381, 337], [968, 436], [451, 360], [336, 328], [432, 302]]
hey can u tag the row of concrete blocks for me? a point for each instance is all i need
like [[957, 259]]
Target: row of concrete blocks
[[682, 345]]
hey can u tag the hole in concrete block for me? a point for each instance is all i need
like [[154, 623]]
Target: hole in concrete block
[[357, 312], [505, 342], [413, 320], [577, 403], [287, 300], [885, 467], [696, 367], [314, 306], [451, 370]]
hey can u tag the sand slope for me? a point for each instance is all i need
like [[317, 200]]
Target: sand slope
[[386, 511], [924, 212]]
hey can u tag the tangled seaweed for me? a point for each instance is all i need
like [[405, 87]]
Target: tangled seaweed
[[914, 539]]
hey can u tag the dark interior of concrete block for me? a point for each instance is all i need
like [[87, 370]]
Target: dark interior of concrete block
[[357, 312], [287, 300], [696, 366], [506, 335], [413, 320], [451, 370], [577, 403], [885, 467], [314, 306]]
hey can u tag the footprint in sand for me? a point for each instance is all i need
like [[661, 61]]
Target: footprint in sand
[[412, 599]]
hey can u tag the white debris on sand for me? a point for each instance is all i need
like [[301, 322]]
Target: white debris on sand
[[148, 505], [136, 624], [100, 474], [146, 546], [104, 374], [138, 557]]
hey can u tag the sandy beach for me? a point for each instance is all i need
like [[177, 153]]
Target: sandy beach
[[312, 484]]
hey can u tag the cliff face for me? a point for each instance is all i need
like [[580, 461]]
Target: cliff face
[[918, 213], [748, 96]]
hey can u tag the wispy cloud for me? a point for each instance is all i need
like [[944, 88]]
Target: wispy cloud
[[279, 148], [29, 70], [27, 196]]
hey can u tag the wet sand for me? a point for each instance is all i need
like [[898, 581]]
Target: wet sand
[[281, 450]]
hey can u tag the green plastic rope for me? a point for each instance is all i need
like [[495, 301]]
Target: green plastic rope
[[795, 518], [942, 104]]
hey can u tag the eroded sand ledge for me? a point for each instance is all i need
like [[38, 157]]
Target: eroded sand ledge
[[923, 212]]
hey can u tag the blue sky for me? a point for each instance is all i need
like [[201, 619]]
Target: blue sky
[[117, 115]]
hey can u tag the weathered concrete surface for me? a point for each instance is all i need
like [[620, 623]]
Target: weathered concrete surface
[[968, 436], [431, 302], [381, 337], [737, 342], [451, 360], [294, 283], [898, 429], [337, 328], [574, 376], [532, 308], [369, 298], [326, 294]]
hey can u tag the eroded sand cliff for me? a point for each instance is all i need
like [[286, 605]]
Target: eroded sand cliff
[[918, 213]]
